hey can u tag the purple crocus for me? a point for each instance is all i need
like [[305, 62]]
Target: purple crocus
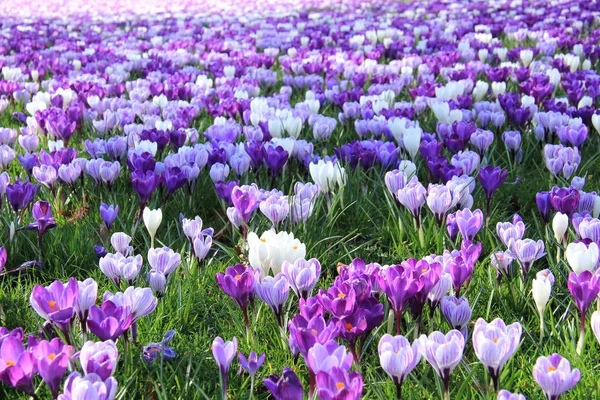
[[526, 251], [338, 383], [224, 353], [238, 283], [302, 275], [56, 303], [457, 312], [413, 197], [245, 199], [491, 178], [20, 194], [99, 358], [399, 286], [555, 376], [305, 332], [274, 158], [469, 222], [398, 358], [542, 199], [252, 363], [584, 288], [109, 321], [494, 344], [285, 387], [17, 365], [506, 395], [508, 231], [565, 200], [274, 291], [90, 386], [108, 213], [443, 352], [440, 200], [152, 351], [51, 359]]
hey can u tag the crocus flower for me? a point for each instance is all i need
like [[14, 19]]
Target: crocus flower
[[555, 376], [90, 386], [305, 332], [541, 289], [440, 200], [413, 197], [595, 322], [17, 365], [494, 344], [56, 303], [491, 178], [511, 230], [443, 352], [560, 225], [109, 321], [582, 257], [271, 250], [564, 200], [399, 285], [274, 291], [286, 387], [238, 282], [99, 358], [526, 251], [51, 359], [398, 358], [164, 260], [506, 395], [224, 352], [302, 275], [120, 242], [42, 213], [324, 357], [252, 363], [542, 199], [152, 220], [109, 213], [457, 312], [584, 288], [328, 175], [339, 383], [88, 291], [469, 223], [153, 351]]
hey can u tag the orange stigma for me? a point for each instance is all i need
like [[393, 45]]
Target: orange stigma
[[340, 385]]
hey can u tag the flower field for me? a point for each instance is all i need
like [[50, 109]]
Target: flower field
[[277, 199]]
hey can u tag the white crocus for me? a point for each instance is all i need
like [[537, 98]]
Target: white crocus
[[560, 224], [272, 249], [541, 287], [596, 122], [412, 140], [327, 174], [152, 220], [581, 257]]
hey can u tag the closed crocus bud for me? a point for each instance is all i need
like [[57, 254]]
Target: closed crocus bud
[[596, 122], [560, 224], [271, 250], [541, 288], [581, 257], [412, 140], [99, 358], [158, 282], [152, 220], [88, 291]]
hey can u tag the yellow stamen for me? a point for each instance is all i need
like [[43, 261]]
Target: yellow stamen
[[52, 305], [295, 247], [51, 356], [10, 363], [315, 331], [340, 385], [551, 368], [495, 340], [263, 240], [238, 276], [349, 326], [341, 295]]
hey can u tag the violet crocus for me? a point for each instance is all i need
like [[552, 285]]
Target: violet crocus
[[90, 386], [276, 208], [108, 214], [584, 288], [152, 351], [542, 200], [56, 303], [526, 251], [302, 275], [51, 360], [555, 375], [224, 353], [245, 199], [413, 196], [506, 395], [251, 365], [469, 222], [457, 312], [88, 291], [274, 291], [398, 358], [444, 353], [440, 200], [491, 178], [564, 200], [285, 387], [305, 332], [17, 366], [399, 286], [109, 321], [99, 358], [339, 383], [510, 230], [238, 282], [494, 344]]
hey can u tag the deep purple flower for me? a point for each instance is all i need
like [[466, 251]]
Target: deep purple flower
[[491, 178], [20, 194], [51, 359], [17, 365], [274, 158], [399, 286], [542, 199], [144, 184], [109, 213], [564, 200], [238, 282], [286, 387], [305, 332], [109, 321], [338, 383], [56, 303]]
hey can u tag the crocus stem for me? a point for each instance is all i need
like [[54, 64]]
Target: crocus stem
[[399, 390], [581, 341], [558, 254], [541, 327], [446, 382], [312, 380], [251, 387], [390, 327], [398, 322], [223, 382], [421, 236]]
